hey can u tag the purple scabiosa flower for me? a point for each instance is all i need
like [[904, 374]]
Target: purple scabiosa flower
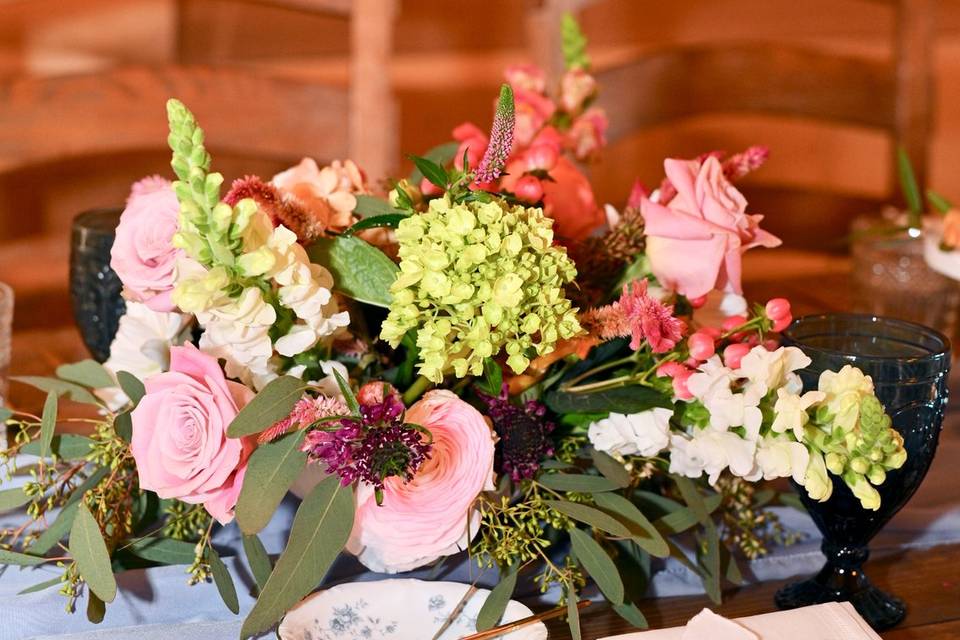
[[524, 434], [372, 446], [501, 139]]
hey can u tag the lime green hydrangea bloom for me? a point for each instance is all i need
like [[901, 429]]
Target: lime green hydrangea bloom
[[477, 277]]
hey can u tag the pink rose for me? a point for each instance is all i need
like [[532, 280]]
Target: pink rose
[[531, 112], [526, 77], [588, 134], [696, 241], [143, 254], [427, 518], [180, 441], [576, 88]]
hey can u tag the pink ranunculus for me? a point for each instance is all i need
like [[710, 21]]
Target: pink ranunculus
[[526, 77], [434, 514], [576, 88], [143, 255], [588, 134], [695, 243], [180, 441], [532, 110]]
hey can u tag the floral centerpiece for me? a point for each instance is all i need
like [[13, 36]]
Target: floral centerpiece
[[479, 362]]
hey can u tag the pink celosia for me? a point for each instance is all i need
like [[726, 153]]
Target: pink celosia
[[307, 411], [638, 316]]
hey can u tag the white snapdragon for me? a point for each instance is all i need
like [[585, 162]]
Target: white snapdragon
[[816, 481], [768, 370], [843, 391], [142, 346], [711, 452], [646, 433], [781, 457], [239, 333], [790, 411], [711, 385]]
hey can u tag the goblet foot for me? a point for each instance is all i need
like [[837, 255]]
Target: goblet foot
[[880, 609]]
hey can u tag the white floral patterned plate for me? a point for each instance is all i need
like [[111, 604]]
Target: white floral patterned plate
[[394, 610]]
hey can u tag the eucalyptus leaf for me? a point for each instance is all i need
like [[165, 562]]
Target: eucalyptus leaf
[[709, 558], [611, 469], [593, 517], [164, 550], [48, 423], [40, 586], [67, 446], [390, 220], [96, 608], [131, 386], [573, 613], [629, 612], [90, 553], [790, 499], [576, 482], [62, 388], [123, 426], [221, 578], [272, 404], [13, 498], [320, 531], [497, 601], [442, 154], [627, 400], [648, 537], [347, 393], [19, 559], [682, 519], [691, 495], [371, 206], [271, 470], [257, 559], [360, 270], [598, 564], [88, 373], [64, 521]]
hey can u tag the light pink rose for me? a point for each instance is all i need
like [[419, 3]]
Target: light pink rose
[[526, 77], [695, 243], [588, 134], [427, 518], [143, 255], [576, 88], [180, 441]]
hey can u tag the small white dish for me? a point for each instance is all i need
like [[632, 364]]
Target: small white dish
[[402, 609]]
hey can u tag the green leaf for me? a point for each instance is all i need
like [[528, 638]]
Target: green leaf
[[691, 495], [64, 520], [320, 531], [13, 498], [131, 386], [46, 584], [598, 564], [790, 499], [96, 608], [573, 43], [19, 559], [573, 613], [391, 220], [5, 414], [492, 377], [164, 550], [360, 270], [271, 470], [631, 399], [432, 171], [593, 517], [610, 468], [48, 423], [74, 391], [88, 373], [938, 202], [496, 603], [684, 518], [708, 554], [66, 445], [257, 559], [123, 426], [347, 393], [647, 537], [908, 185], [89, 551], [441, 154], [576, 482], [371, 206], [730, 568], [629, 612], [221, 578], [272, 404]]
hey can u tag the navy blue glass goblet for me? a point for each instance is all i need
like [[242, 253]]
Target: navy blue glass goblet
[[910, 365]]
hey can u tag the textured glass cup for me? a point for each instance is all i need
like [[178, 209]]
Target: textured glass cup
[[910, 366], [94, 287]]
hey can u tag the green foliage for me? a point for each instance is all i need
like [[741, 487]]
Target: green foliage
[[223, 581], [611, 469], [90, 553], [593, 517], [497, 601], [938, 202], [13, 498], [272, 404], [432, 171], [598, 564], [271, 470], [372, 206], [442, 154], [909, 187], [576, 482], [19, 559], [61, 387], [574, 43], [257, 559], [164, 550], [87, 373], [66, 446], [627, 400], [48, 423], [390, 220], [360, 270], [131, 386], [643, 533]]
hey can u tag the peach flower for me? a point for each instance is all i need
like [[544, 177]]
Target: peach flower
[[328, 193], [180, 441], [696, 241], [531, 113], [526, 77], [434, 514]]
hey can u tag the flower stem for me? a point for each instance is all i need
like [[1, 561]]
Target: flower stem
[[608, 365], [417, 389]]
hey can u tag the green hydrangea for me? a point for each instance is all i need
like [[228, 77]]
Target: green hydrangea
[[477, 277]]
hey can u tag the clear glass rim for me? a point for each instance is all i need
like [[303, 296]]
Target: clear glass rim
[[810, 320]]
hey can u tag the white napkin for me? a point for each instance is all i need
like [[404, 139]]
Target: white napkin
[[830, 621]]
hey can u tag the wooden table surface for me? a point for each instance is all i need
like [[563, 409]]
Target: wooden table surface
[[927, 580]]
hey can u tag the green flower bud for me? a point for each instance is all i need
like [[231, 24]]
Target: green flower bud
[[876, 474], [835, 462]]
